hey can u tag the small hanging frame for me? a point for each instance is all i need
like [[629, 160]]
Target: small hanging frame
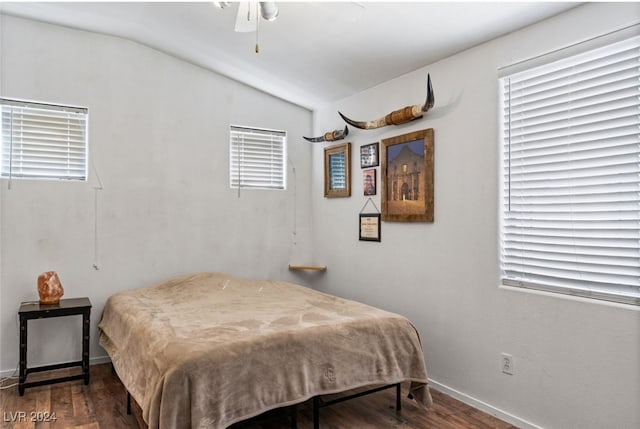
[[369, 223]]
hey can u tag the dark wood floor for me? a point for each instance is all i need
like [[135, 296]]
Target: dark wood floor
[[102, 405]]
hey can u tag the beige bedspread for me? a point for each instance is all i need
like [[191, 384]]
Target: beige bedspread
[[208, 350]]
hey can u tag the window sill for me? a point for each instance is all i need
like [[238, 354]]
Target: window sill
[[570, 297]]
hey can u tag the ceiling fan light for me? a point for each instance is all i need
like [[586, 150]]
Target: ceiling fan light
[[268, 10]]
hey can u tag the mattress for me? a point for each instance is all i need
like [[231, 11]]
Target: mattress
[[208, 350]]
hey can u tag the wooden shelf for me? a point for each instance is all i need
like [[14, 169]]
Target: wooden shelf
[[307, 267]]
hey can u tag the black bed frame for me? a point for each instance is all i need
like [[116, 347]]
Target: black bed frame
[[318, 403]]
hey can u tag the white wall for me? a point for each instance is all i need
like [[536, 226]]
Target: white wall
[[158, 138], [577, 362], [159, 141]]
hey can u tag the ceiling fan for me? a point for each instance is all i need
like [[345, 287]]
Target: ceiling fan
[[249, 13]]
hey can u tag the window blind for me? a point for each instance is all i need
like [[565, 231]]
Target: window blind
[[257, 158], [43, 141], [571, 175]]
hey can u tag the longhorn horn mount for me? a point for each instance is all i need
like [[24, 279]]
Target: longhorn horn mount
[[329, 136], [397, 117]]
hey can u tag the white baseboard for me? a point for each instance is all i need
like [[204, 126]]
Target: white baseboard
[[92, 361], [99, 359], [9, 373], [483, 406]]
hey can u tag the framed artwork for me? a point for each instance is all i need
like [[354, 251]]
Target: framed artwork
[[369, 181], [337, 170], [369, 227], [369, 155], [407, 177]]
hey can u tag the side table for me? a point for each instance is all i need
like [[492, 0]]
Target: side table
[[66, 307]]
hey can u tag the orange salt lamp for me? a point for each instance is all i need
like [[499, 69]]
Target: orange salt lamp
[[49, 288]]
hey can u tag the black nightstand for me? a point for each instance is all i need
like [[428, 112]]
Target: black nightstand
[[66, 307]]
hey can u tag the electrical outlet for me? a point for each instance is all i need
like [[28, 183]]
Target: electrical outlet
[[506, 362]]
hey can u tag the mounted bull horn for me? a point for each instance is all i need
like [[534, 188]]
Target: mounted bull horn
[[399, 116], [330, 136]]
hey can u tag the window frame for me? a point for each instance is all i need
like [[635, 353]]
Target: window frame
[[269, 169], [622, 293], [48, 150]]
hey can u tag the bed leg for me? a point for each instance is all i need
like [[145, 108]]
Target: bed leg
[[294, 416], [316, 412], [398, 398], [128, 403]]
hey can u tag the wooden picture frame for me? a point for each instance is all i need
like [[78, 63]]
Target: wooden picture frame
[[407, 177], [337, 170], [369, 186], [370, 227], [370, 155]]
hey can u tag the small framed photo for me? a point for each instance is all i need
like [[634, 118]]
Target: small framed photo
[[369, 181], [369, 155], [369, 227]]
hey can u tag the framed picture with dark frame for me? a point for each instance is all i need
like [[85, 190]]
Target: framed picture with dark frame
[[369, 155], [407, 177], [337, 170], [369, 182], [369, 227]]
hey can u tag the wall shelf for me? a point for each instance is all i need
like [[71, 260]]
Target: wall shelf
[[307, 267]]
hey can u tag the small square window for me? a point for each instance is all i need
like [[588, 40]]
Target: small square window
[[42, 141], [257, 158]]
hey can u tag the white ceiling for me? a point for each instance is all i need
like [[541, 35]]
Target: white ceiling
[[314, 52]]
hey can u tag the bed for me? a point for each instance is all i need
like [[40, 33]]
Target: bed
[[208, 350]]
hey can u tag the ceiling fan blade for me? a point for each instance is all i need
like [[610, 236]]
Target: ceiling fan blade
[[247, 19]]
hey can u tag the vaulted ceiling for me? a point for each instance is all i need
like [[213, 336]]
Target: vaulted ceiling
[[314, 52]]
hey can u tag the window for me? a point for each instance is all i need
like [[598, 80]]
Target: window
[[257, 158], [570, 220], [43, 141]]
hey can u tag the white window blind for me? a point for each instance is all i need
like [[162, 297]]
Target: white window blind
[[571, 175], [43, 141], [257, 158]]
